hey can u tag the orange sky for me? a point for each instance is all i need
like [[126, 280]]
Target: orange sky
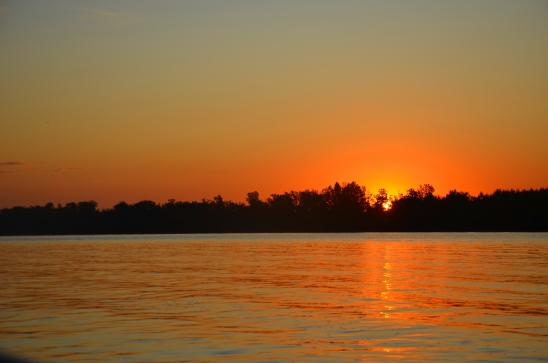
[[155, 100]]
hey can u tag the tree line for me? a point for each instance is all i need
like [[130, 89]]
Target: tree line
[[346, 207]]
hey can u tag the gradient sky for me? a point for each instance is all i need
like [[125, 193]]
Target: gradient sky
[[131, 100]]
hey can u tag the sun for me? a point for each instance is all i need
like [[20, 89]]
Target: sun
[[387, 205]]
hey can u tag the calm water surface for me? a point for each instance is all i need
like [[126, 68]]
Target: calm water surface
[[276, 298]]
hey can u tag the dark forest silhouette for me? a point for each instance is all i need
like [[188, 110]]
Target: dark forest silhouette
[[337, 208]]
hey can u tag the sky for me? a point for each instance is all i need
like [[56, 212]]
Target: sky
[[133, 100]]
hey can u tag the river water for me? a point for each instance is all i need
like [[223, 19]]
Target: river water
[[365, 297]]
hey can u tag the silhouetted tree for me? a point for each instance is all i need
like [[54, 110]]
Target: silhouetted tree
[[338, 207]]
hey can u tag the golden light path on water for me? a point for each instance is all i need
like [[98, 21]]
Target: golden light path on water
[[276, 298]]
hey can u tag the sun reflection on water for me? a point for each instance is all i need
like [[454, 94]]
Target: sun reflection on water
[[385, 294]]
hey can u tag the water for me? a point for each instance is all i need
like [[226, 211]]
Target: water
[[433, 297]]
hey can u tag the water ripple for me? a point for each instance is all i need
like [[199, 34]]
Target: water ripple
[[276, 298]]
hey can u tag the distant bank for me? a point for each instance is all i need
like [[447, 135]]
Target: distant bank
[[338, 208]]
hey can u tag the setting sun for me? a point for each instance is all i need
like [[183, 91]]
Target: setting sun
[[387, 205]]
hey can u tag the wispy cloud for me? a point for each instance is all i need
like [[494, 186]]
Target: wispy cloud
[[68, 169], [11, 163], [107, 13], [8, 166]]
